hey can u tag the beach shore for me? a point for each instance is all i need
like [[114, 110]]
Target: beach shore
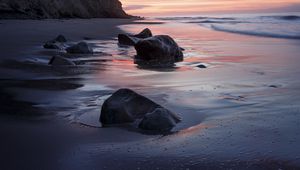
[[241, 112]]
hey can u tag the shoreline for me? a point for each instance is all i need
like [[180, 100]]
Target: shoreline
[[34, 33]]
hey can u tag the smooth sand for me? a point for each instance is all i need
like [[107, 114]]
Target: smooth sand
[[242, 112]]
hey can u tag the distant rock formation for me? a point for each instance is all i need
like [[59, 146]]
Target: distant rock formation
[[44, 9]]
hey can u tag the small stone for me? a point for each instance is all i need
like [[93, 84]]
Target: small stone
[[61, 39], [274, 86], [80, 48], [201, 66], [57, 43]]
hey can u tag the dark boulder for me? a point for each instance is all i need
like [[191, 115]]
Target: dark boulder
[[80, 48], [131, 40], [52, 45], [127, 106], [57, 43], [160, 50], [125, 39], [60, 61], [60, 38], [160, 119]]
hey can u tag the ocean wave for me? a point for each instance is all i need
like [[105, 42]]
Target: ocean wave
[[255, 32], [275, 17], [216, 21], [264, 25], [196, 18], [283, 17]]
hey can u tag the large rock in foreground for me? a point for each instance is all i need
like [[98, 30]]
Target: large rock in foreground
[[160, 50], [126, 106], [159, 120], [42, 9]]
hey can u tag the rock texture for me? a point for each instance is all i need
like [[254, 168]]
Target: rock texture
[[159, 50], [125, 39], [127, 106], [43, 9], [57, 43], [60, 61], [153, 51], [159, 120], [201, 66], [131, 40], [146, 33], [80, 48]]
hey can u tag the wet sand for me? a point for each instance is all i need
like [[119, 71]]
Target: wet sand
[[242, 112]]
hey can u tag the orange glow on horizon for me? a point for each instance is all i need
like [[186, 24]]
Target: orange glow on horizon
[[179, 7]]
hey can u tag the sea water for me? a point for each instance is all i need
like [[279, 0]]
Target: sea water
[[277, 25]]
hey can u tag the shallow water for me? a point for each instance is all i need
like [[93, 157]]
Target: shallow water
[[244, 107]]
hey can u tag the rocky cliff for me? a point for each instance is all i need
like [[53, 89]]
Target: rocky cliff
[[43, 9]]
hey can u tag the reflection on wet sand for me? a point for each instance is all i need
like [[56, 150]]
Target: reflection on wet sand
[[193, 130]]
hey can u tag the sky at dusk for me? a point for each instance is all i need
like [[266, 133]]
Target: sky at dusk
[[186, 7]]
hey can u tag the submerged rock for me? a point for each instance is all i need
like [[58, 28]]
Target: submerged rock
[[57, 43], [201, 66], [60, 61], [127, 106], [131, 40], [274, 86], [160, 50], [160, 119], [80, 48]]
